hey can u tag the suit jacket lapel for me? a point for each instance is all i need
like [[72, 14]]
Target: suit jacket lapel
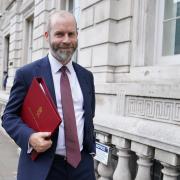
[[45, 72], [84, 86]]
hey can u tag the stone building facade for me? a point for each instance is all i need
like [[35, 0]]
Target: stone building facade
[[132, 47]]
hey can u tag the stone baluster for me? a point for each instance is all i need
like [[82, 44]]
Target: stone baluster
[[169, 172], [144, 167], [145, 155], [104, 171], [122, 171], [95, 168], [170, 161]]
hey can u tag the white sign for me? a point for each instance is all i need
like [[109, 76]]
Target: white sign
[[102, 153]]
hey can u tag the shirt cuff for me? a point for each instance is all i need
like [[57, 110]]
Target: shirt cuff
[[30, 148], [92, 154]]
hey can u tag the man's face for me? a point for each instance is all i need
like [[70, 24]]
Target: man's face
[[62, 39]]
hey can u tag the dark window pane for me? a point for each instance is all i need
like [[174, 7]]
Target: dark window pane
[[171, 28]]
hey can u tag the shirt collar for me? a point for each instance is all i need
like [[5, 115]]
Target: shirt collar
[[56, 65]]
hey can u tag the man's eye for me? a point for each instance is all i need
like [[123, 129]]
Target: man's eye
[[60, 34], [71, 34]]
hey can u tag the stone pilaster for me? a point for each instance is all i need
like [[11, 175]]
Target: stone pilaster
[[15, 42]]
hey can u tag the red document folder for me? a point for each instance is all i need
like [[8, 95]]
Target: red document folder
[[38, 110]]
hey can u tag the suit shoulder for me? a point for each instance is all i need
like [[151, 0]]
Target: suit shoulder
[[31, 66], [81, 68]]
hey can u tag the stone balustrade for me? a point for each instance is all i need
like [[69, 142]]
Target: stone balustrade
[[145, 150], [145, 155]]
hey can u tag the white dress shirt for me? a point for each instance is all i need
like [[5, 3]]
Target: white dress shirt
[[77, 101]]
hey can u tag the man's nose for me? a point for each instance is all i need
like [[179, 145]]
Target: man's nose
[[66, 38]]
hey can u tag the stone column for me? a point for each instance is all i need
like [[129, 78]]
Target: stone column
[[122, 171], [145, 154]]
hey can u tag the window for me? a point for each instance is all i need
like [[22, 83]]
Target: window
[[6, 61], [168, 32], [71, 6], [29, 39], [74, 8], [6, 55], [171, 28]]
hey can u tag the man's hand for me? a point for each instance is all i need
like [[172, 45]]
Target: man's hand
[[40, 141]]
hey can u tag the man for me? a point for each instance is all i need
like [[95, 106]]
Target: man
[[56, 161]]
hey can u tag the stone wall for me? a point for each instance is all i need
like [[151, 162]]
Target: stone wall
[[105, 37]]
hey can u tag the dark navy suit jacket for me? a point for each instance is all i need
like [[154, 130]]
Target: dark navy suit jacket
[[20, 132]]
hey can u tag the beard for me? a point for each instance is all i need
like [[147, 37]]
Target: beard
[[61, 52]]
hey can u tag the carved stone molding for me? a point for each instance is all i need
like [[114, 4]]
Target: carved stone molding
[[158, 109]]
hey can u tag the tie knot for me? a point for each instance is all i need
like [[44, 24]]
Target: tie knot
[[63, 69]]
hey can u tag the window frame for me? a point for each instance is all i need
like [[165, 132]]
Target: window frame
[[6, 52], [74, 10], [28, 22], [160, 59], [29, 36]]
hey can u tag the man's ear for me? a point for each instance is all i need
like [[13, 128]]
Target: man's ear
[[46, 34]]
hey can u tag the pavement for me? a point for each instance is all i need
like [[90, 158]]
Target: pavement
[[8, 157]]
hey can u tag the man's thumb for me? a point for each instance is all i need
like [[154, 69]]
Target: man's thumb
[[45, 134]]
